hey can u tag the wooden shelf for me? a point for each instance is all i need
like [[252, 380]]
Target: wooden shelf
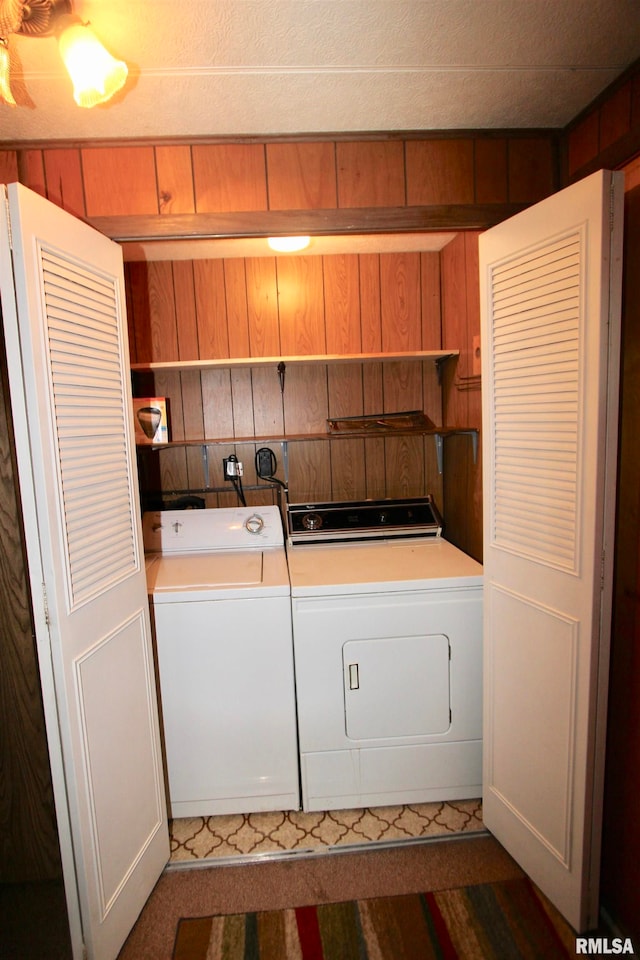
[[437, 355]]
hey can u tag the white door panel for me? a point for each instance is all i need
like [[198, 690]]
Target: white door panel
[[63, 313], [550, 303]]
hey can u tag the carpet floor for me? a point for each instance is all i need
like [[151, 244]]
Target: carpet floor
[[509, 920], [207, 889]]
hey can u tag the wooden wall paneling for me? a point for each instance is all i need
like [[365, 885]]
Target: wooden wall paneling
[[8, 166], [348, 473], [242, 402], [29, 847], [432, 476], [402, 386], [119, 181], [430, 300], [635, 101], [217, 404], [262, 307], [301, 176], [374, 458], [63, 173], [454, 302], [583, 142], [404, 458], [400, 297], [268, 403], [185, 307], [235, 286], [192, 412], [211, 309], [532, 169], [175, 179], [309, 471], [472, 278], [131, 332], [371, 174], [370, 319], [306, 401], [31, 171], [439, 171], [229, 177], [162, 311], [615, 116], [432, 392], [345, 389], [490, 168], [300, 305], [342, 303]]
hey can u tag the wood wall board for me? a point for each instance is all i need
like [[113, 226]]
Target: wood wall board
[[63, 174], [162, 312], [440, 172], [370, 174], [635, 101], [402, 386], [372, 389], [309, 472], [404, 466], [8, 166], [119, 181], [454, 298], [345, 390], [173, 472], [229, 177], [341, 296], [242, 403], [348, 469], [491, 171], [374, 458], [431, 305], [432, 393], [168, 384], [305, 400], [31, 171], [262, 307], [211, 309], [186, 316], [301, 176], [268, 406], [400, 297], [192, 406], [300, 305], [175, 179], [29, 848], [615, 116], [370, 319], [532, 170], [235, 285], [583, 142], [217, 404]]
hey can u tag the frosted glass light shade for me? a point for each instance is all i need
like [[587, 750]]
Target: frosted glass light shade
[[95, 74], [288, 244]]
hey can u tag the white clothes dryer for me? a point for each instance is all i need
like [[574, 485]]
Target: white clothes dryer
[[220, 602]]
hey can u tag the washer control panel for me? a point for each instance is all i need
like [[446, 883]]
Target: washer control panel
[[216, 528]]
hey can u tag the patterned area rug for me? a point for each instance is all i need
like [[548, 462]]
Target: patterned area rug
[[253, 834], [500, 921]]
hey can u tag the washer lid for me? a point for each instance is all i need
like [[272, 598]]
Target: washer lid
[[217, 576]]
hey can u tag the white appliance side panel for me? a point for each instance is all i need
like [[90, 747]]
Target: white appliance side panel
[[322, 627], [228, 704], [379, 776], [396, 686]]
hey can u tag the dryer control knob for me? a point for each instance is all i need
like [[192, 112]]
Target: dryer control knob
[[254, 523]]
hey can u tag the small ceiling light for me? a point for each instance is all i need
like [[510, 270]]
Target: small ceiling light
[[96, 75], [288, 244]]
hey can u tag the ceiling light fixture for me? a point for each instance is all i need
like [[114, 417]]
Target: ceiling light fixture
[[95, 74], [288, 244]]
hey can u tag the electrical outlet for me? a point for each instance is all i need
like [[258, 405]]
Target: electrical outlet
[[231, 467]]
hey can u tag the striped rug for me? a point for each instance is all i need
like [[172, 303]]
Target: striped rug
[[499, 921]]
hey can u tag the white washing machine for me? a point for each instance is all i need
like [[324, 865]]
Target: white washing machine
[[220, 602], [387, 622]]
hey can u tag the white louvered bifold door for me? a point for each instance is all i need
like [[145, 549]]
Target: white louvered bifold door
[[550, 300], [65, 330]]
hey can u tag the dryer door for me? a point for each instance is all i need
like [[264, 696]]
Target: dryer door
[[397, 687]]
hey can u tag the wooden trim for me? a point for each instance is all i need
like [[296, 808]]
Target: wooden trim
[[266, 223], [437, 355]]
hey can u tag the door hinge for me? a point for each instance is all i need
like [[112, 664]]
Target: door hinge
[[45, 606], [8, 218]]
